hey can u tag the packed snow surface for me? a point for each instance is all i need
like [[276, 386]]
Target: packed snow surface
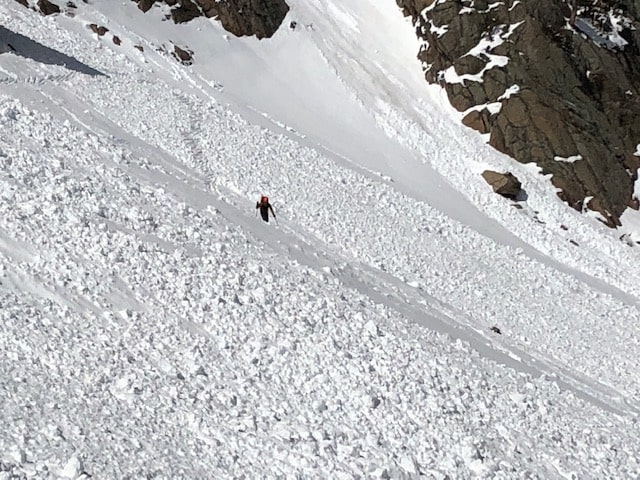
[[397, 319]]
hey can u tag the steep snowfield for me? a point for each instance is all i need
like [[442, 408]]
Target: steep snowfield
[[152, 326]]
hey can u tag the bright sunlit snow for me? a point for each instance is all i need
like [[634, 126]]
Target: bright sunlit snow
[[570, 159], [397, 319]]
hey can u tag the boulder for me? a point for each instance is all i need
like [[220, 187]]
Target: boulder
[[185, 11], [100, 30], [505, 184], [48, 8], [184, 56], [478, 120], [145, 5]]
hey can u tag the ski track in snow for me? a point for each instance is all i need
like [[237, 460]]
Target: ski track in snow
[[151, 325]]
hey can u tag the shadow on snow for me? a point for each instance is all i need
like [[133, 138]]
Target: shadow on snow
[[25, 47]]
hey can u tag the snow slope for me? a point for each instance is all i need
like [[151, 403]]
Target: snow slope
[[151, 325]]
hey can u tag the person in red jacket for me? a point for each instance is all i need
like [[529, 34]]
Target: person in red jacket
[[264, 207]]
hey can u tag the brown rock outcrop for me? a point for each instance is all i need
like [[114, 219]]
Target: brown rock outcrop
[[241, 17], [48, 8], [569, 94], [505, 184]]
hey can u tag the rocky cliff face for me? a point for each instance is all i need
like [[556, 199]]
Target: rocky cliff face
[[240, 17], [552, 82]]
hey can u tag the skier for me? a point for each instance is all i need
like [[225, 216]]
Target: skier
[[264, 207]]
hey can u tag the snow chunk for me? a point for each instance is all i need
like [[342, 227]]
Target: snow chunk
[[371, 328], [571, 159], [72, 469], [494, 107], [450, 75], [439, 31], [408, 464], [512, 90], [517, 398], [14, 455]]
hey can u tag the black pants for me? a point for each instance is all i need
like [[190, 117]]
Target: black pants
[[264, 212]]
